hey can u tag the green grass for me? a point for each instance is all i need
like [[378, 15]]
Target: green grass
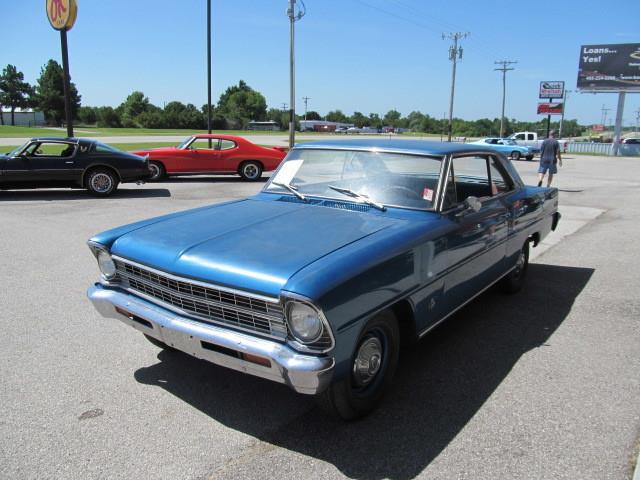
[[7, 131]]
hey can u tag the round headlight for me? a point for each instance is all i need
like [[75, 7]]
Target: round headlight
[[107, 267], [305, 322]]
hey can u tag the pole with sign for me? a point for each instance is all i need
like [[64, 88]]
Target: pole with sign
[[62, 15], [550, 90]]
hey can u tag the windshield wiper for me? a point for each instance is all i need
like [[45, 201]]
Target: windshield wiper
[[291, 188], [360, 196]]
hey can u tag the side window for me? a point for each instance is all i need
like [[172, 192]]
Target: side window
[[51, 149], [520, 136], [530, 136], [203, 144], [500, 182], [468, 177], [227, 144]]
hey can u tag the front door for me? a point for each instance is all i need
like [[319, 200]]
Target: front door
[[52, 163]]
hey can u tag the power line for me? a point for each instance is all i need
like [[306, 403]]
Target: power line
[[306, 100], [455, 53], [504, 69]]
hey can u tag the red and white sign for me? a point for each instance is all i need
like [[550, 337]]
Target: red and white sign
[[550, 108], [598, 127], [551, 90]]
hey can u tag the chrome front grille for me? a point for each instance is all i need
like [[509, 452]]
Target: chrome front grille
[[206, 302]]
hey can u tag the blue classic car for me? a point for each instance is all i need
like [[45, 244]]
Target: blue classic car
[[507, 146], [352, 249]]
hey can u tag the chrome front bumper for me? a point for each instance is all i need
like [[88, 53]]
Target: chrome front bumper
[[303, 373]]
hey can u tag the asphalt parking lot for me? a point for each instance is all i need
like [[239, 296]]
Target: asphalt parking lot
[[544, 384]]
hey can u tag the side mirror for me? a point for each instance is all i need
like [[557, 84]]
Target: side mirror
[[473, 204]]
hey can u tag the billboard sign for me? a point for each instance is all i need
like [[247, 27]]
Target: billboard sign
[[598, 127], [551, 90], [609, 68], [550, 108]]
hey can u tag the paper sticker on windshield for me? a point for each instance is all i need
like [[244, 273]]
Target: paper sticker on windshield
[[288, 171], [427, 194]]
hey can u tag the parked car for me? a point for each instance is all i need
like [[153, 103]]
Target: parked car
[[506, 146], [209, 154], [631, 141], [351, 247], [531, 139], [72, 163]]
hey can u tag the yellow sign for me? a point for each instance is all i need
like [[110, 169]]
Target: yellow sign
[[62, 13]]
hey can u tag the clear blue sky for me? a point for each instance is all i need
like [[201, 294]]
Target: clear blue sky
[[364, 55]]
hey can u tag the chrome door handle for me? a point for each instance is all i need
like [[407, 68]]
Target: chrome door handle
[[71, 162]]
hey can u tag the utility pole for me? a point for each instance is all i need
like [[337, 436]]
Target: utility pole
[[293, 17], [455, 53], [504, 71], [604, 116], [306, 100], [209, 69], [284, 106], [637, 119], [564, 107]]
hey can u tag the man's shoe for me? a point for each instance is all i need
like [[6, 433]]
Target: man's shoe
[[540, 183]]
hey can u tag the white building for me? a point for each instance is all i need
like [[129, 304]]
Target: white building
[[23, 117]]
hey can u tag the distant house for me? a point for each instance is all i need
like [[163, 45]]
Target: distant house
[[270, 125], [24, 118]]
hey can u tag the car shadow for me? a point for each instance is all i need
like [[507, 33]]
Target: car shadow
[[65, 194], [441, 384], [209, 179]]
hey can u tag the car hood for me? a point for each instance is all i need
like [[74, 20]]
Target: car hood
[[254, 245]]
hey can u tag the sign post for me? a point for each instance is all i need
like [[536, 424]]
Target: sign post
[[550, 90], [62, 15]]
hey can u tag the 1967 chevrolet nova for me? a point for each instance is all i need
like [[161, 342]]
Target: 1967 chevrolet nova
[[351, 250]]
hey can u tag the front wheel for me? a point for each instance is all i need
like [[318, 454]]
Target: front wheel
[[250, 171], [529, 157], [157, 171], [515, 279], [372, 368], [515, 155], [101, 182]]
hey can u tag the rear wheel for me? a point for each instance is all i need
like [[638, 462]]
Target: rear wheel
[[515, 155], [157, 171], [372, 368], [101, 182], [515, 279], [529, 157], [250, 171]]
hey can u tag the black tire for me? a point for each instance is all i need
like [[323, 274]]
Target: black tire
[[158, 171], [513, 282], [250, 171], [515, 155], [101, 182], [361, 391], [159, 344], [529, 157]]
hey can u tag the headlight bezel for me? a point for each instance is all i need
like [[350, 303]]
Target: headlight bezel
[[99, 250], [325, 335]]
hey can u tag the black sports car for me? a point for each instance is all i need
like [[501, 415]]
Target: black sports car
[[72, 163]]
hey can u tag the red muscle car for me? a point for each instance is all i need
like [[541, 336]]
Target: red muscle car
[[207, 154]]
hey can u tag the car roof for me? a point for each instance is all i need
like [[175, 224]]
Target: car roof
[[218, 135], [63, 139], [422, 147]]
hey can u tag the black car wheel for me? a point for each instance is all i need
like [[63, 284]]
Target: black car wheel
[[157, 171], [529, 157], [250, 171], [515, 155], [515, 279], [101, 182], [373, 365]]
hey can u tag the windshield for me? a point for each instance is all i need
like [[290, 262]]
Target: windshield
[[373, 178], [16, 151], [185, 143]]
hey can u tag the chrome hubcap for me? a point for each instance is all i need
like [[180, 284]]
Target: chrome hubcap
[[368, 361], [155, 171], [250, 171], [101, 182]]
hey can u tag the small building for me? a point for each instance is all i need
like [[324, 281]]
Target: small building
[[322, 126], [264, 126], [23, 117]]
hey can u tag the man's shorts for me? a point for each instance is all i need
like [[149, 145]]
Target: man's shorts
[[550, 166]]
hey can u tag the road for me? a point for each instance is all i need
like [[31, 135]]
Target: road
[[543, 384]]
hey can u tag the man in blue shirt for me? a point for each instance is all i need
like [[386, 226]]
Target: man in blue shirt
[[549, 158]]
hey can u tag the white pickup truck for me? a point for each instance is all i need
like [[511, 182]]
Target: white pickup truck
[[531, 139]]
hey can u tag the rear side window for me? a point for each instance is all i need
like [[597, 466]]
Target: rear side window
[[104, 148], [227, 144]]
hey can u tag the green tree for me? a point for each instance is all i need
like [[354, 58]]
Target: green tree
[[282, 118], [313, 115], [392, 118], [134, 105], [337, 116], [374, 120], [14, 91], [240, 104], [359, 120], [87, 115], [49, 93], [107, 117]]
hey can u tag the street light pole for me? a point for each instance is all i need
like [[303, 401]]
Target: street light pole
[[209, 69], [293, 17]]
